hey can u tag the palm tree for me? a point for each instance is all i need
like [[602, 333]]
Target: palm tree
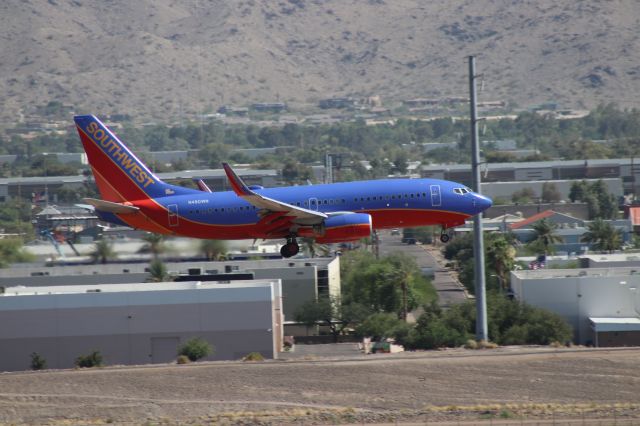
[[546, 238], [501, 255], [402, 277], [158, 271], [213, 249], [103, 251], [603, 236], [154, 244]]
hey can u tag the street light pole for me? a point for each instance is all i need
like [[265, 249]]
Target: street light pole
[[482, 332]]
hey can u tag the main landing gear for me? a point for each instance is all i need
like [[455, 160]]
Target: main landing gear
[[291, 248]]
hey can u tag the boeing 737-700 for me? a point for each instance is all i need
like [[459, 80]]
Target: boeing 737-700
[[134, 196]]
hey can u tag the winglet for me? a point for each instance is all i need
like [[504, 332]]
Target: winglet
[[239, 187], [202, 186]]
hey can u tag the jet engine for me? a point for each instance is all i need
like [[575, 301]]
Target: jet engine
[[339, 228]]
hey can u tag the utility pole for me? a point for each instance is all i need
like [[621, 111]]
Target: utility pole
[[328, 168], [478, 238]]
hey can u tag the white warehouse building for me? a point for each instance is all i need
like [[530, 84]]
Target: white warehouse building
[[601, 304], [140, 323]]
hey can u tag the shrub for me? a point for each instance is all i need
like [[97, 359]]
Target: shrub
[[471, 344], [38, 362], [94, 359], [433, 334], [379, 326], [183, 359], [483, 344], [253, 356], [195, 349]]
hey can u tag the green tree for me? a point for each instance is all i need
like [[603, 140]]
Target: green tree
[[93, 359], [158, 271], [523, 196], [213, 249], [381, 325], [578, 191], [402, 276], [545, 237], [103, 251], [550, 193], [600, 203], [603, 236], [154, 244], [295, 172], [432, 333], [38, 362], [401, 161], [214, 154], [509, 322], [501, 256], [12, 251], [195, 349], [332, 313], [382, 284]]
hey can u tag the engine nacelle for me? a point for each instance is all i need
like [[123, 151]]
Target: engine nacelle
[[337, 229]]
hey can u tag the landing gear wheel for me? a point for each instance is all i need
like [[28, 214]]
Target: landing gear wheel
[[291, 248], [444, 238]]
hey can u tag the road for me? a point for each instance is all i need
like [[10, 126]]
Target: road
[[450, 291]]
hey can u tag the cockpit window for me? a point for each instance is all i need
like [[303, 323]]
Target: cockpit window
[[461, 191]]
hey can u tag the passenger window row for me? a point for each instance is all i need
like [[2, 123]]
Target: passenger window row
[[392, 197]]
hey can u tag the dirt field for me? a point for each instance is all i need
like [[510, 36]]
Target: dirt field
[[453, 385]]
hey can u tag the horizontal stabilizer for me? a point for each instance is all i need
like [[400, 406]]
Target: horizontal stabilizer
[[110, 207]]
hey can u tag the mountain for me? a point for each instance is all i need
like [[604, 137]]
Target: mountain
[[156, 59]]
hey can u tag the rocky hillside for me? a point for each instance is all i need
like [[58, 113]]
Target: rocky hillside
[[158, 58]]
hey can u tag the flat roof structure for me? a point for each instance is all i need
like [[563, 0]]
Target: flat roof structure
[[615, 324], [609, 332], [138, 323]]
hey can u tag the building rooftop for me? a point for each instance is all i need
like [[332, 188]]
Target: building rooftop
[[132, 268], [532, 219], [128, 288], [613, 162], [615, 324], [613, 257], [577, 273]]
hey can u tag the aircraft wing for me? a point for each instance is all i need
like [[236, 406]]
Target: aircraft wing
[[110, 207], [269, 204]]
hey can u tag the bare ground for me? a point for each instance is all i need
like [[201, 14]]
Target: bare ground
[[160, 59], [452, 385]]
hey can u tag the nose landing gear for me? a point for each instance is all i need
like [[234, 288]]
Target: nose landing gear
[[291, 248], [444, 235]]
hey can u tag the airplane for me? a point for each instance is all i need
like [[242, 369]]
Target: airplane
[[132, 195]]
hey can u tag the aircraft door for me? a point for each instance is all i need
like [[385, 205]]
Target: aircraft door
[[173, 215], [436, 198], [313, 204]]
